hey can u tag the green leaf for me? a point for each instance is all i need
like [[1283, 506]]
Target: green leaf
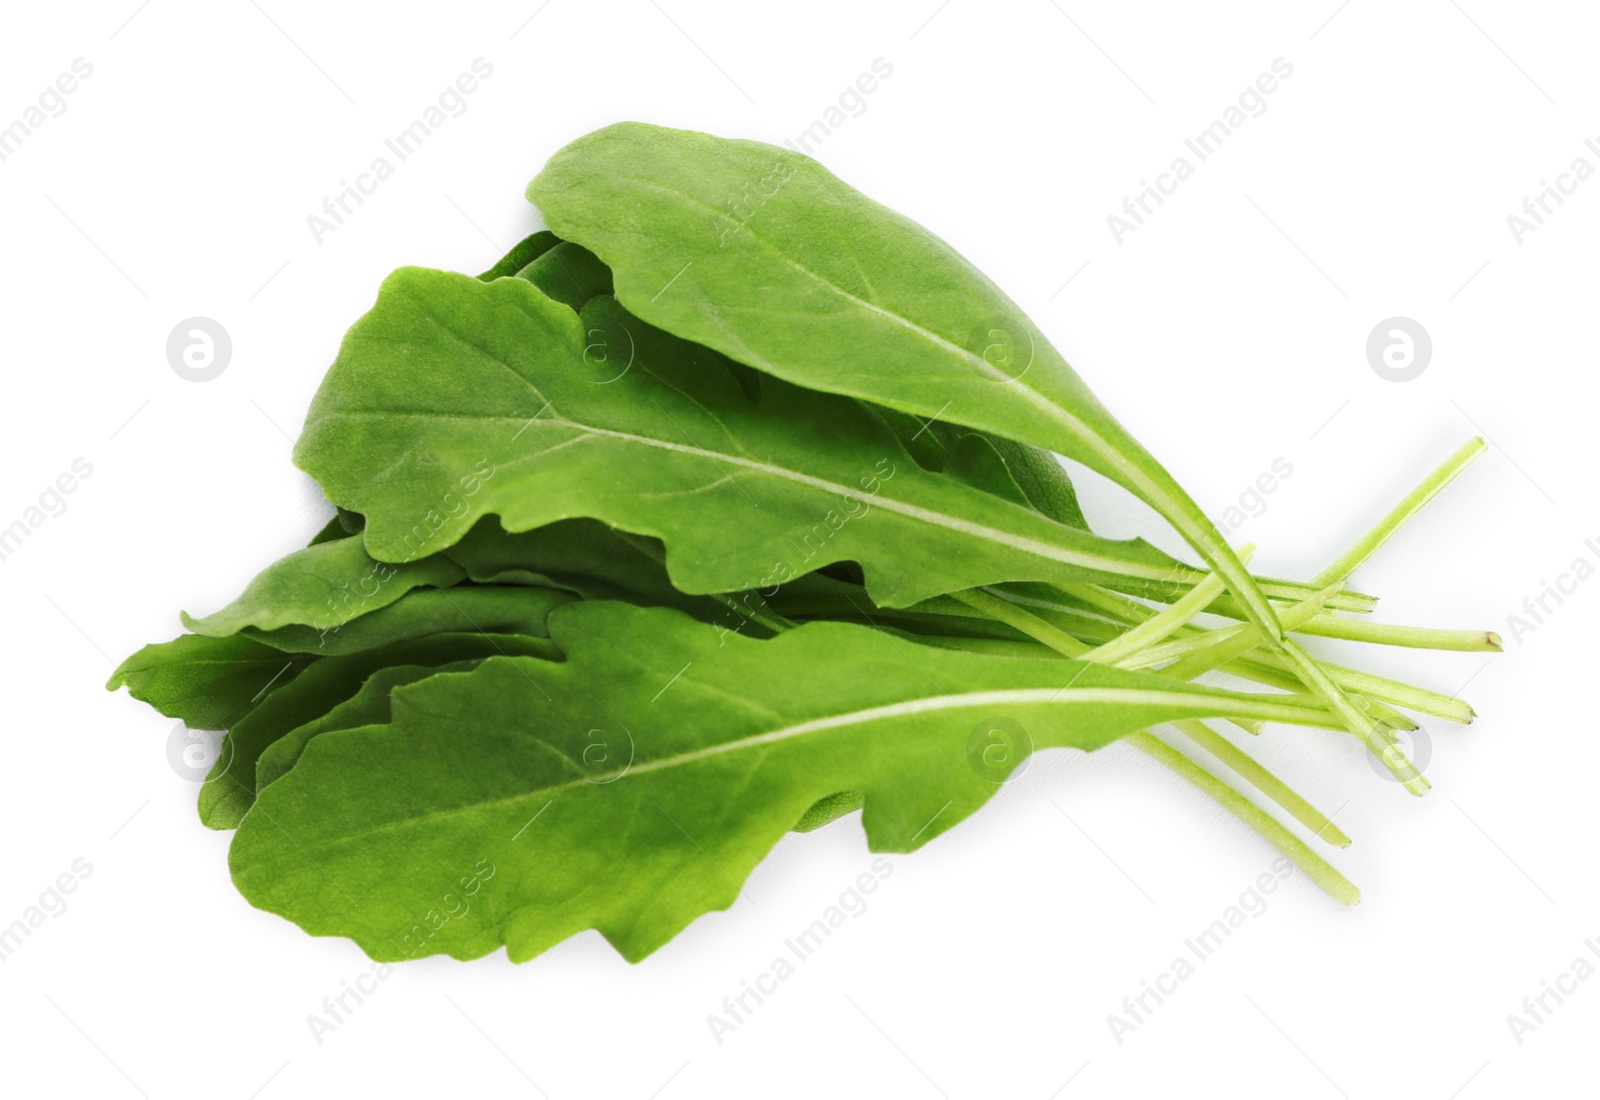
[[573, 276], [569, 274], [454, 398], [1043, 481], [527, 250], [324, 586], [729, 745], [368, 706], [589, 559], [332, 531], [207, 683], [766, 256], [481, 609], [976, 462], [230, 788]]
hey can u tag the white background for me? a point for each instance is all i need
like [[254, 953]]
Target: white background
[[1227, 331]]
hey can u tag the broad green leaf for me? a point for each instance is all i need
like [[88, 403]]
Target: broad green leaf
[[207, 683], [481, 609], [573, 276], [766, 256], [976, 462], [368, 706], [569, 274], [730, 745], [325, 585], [1042, 479], [527, 250], [230, 788], [589, 559], [332, 531], [489, 396]]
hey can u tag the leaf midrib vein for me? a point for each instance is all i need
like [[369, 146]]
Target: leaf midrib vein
[[1073, 423], [1224, 706], [911, 511]]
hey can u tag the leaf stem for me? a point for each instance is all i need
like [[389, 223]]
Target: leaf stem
[[1250, 769], [1323, 873], [1409, 505], [1158, 626], [1379, 741], [1411, 637], [1199, 653], [1242, 763], [1019, 618], [1274, 670]]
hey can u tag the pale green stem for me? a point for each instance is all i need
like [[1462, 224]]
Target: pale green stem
[[1214, 649], [1250, 769], [1200, 652], [1323, 873], [1110, 603], [1234, 641], [1247, 768], [1412, 637], [1413, 501], [1274, 670], [1380, 742], [1359, 630], [992, 606], [1158, 626], [1279, 591], [1270, 669], [1040, 630]]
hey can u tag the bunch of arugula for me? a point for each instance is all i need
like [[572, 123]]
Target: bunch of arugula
[[726, 507]]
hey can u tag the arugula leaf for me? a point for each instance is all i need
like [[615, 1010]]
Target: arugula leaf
[[589, 559], [527, 250], [331, 531], [569, 274], [575, 278], [731, 744], [207, 683], [368, 706], [325, 585], [230, 788], [481, 396], [1042, 480], [480, 609], [767, 257]]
